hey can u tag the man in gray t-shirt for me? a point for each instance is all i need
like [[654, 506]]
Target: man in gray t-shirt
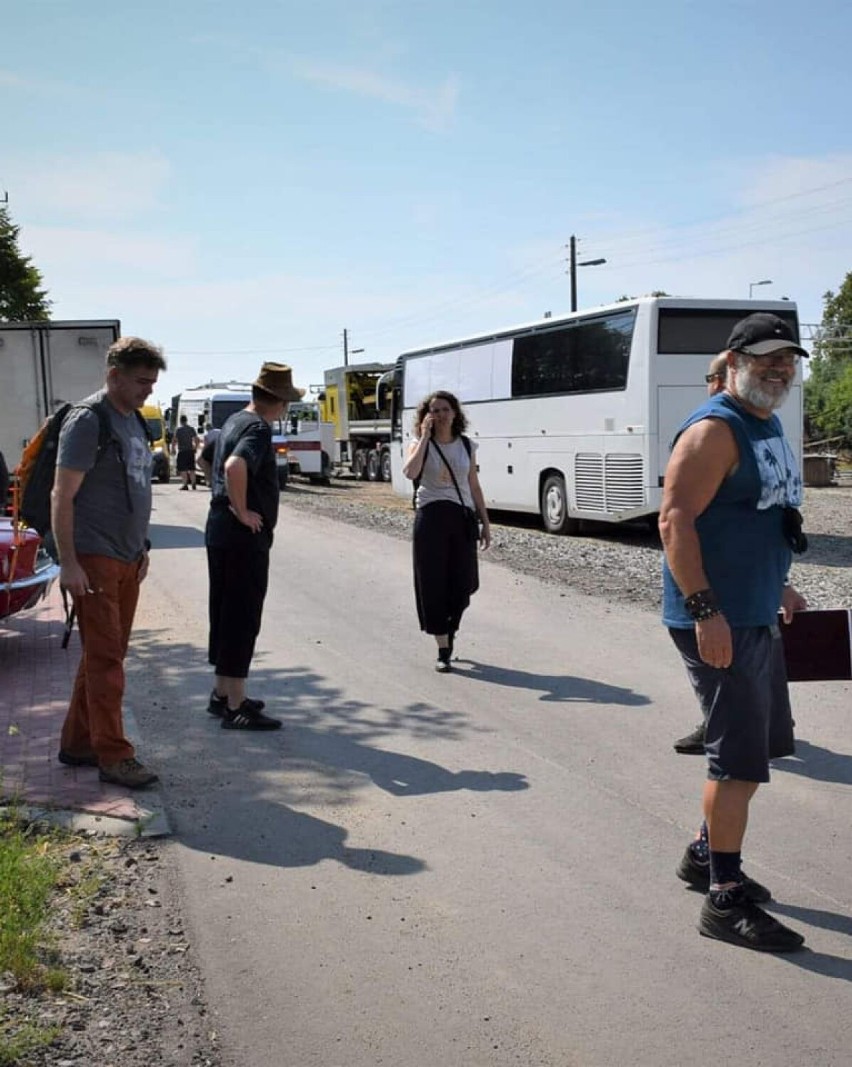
[[100, 508]]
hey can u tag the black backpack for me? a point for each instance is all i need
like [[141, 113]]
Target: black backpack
[[37, 468]]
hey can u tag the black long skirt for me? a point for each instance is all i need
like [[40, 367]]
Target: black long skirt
[[446, 566]]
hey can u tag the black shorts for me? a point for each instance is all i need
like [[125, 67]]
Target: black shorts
[[746, 706], [185, 461]]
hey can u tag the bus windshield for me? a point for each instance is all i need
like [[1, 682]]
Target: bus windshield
[[222, 410]]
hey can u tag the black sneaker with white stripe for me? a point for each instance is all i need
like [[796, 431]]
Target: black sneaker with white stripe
[[219, 705], [248, 716]]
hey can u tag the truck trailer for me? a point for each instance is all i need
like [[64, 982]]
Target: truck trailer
[[44, 365], [352, 400]]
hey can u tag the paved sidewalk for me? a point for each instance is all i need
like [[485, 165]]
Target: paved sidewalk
[[36, 676]]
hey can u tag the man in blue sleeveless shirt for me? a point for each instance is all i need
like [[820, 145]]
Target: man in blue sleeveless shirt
[[727, 522]]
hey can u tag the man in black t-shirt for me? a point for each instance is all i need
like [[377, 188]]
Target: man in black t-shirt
[[185, 443], [243, 514]]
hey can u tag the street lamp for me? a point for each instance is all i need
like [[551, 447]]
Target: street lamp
[[572, 268], [346, 350], [751, 285]]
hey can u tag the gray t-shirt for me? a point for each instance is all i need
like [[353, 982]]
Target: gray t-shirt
[[104, 525], [435, 480]]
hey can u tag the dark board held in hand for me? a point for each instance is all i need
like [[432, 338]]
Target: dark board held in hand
[[818, 645]]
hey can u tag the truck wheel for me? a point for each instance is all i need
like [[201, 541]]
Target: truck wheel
[[359, 464], [374, 472], [554, 507], [385, 466]]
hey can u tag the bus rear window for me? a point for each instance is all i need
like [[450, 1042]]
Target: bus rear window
[[684, 331]]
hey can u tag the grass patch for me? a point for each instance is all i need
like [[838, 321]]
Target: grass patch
[[29, 868], [20, 1039]]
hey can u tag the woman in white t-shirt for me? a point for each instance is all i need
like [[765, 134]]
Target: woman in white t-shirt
[[449, 502]]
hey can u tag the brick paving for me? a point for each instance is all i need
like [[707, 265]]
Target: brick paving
[[36, 675]]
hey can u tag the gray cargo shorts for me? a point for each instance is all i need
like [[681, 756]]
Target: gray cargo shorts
[[746, 706]]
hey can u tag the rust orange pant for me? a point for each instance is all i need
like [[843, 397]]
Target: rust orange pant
[[105, 616]]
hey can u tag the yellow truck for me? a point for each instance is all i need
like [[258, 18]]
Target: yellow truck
[[352, 401], [153, 415]]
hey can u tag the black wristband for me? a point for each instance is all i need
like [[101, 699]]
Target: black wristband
[[702, 605]]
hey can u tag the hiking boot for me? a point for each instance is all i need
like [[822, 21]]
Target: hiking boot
[[692, 744], [219, 705], [248, 717], [747, 925], [73, 759], [698, 876], [127, 772]]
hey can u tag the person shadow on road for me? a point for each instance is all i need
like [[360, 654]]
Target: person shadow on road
[[561, 688]]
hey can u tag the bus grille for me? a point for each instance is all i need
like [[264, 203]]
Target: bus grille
[[610, 483]]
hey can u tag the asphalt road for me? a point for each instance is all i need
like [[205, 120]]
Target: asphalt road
[[476, 869]]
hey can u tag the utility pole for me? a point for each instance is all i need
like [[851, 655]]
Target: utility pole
[[346, 350], [572, 268]]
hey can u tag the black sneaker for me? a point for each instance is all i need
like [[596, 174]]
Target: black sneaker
[[442, 664], [248, 717], [219, 705], [692, 744], [749, 926], [698, 876]]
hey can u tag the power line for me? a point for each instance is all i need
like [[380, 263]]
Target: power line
[[247, 351]]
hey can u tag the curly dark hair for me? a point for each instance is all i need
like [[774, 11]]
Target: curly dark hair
[[459, 418]]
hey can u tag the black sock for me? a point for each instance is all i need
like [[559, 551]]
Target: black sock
[[724, 870]]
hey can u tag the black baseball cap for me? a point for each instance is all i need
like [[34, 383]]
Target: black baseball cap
[[763, 333]]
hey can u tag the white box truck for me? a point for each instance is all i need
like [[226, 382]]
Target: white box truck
[[44, 365]]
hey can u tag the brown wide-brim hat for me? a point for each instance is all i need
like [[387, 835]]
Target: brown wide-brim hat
[[277, 379]]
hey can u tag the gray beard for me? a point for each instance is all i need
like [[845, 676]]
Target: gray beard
[[750, 390]]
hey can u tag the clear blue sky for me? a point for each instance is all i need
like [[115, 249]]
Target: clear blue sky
[[240, 182]]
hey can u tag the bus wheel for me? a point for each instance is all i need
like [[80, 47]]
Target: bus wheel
[[374, 473], [385, 466], [554, 507]]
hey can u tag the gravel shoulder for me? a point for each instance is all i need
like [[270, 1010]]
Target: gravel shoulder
[[134, 996]]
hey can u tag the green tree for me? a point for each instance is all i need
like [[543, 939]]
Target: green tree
[[22, 297], [828, 390]]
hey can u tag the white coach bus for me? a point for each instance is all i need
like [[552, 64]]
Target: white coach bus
[[574, 416]]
